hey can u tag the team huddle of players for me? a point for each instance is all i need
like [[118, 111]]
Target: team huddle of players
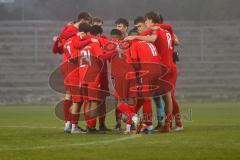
[[143, 69]]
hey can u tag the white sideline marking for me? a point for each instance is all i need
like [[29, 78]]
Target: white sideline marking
[[31, 127], [74, 144]]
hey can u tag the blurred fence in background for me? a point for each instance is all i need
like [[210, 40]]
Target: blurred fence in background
[[209, 69]]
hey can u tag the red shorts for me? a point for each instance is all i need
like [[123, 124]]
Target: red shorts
[[123, 82], [104, 84], [73, 85], [171, 76], [89, 85], [122, 88], [66, 70], [149, 80], [93, 92]]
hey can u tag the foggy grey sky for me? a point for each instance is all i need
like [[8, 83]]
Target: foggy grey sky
[[112, 9]]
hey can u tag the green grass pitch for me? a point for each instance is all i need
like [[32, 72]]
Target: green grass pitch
[[34, 133]]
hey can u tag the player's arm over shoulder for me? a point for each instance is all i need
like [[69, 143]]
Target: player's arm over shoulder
[[79, 43], [68, 32], [134, 51], [169, 28], [150, 38], [97, 49]]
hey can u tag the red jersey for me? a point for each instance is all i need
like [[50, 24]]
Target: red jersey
[[70, 51], [104, 37], [89, 62], [167, 27], [102, 41], [71, 69], [164, 46], [72, 46], [67, 32], [142, 51], [92, 49]]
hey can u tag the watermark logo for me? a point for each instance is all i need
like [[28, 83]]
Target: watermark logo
[[83, 77]]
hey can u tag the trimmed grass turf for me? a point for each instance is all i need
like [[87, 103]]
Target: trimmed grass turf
[[213, 133]]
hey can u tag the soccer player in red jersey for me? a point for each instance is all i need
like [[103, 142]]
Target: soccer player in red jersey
[[139, 23], [176, 108], [173, 74], [116, 36], [98, 24], [97, 31], [69, 31], [90, 60], [86, 57], [119, 68], [143, 53], [123, 97], [163, 42], [97, 21], [122, 24], [71, 51]]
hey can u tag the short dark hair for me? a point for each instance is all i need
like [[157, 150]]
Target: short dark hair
[[116, 32], [139, 19], [122, 21], [97, 19], [95, 30], [84, 27], [153, 16], [84, 16], [161, 18], [133, 31]]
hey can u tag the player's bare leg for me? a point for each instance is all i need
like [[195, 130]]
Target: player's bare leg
[[67, 113], [75, 113], [102, 116], [176, 114], [91, 115], [118, 116], [147, 116], [168, 111], [160, 112]]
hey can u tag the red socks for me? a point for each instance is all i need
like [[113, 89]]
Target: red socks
[[176, 111], [168, 119], [91, 122], [74, 118], [66, 109], [147, 111]]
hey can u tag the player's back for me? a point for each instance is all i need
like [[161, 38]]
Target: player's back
[[143, 51], [70, 51], [90, 65], [68, 31], [164, 46], [69, 63], [92, 49]]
